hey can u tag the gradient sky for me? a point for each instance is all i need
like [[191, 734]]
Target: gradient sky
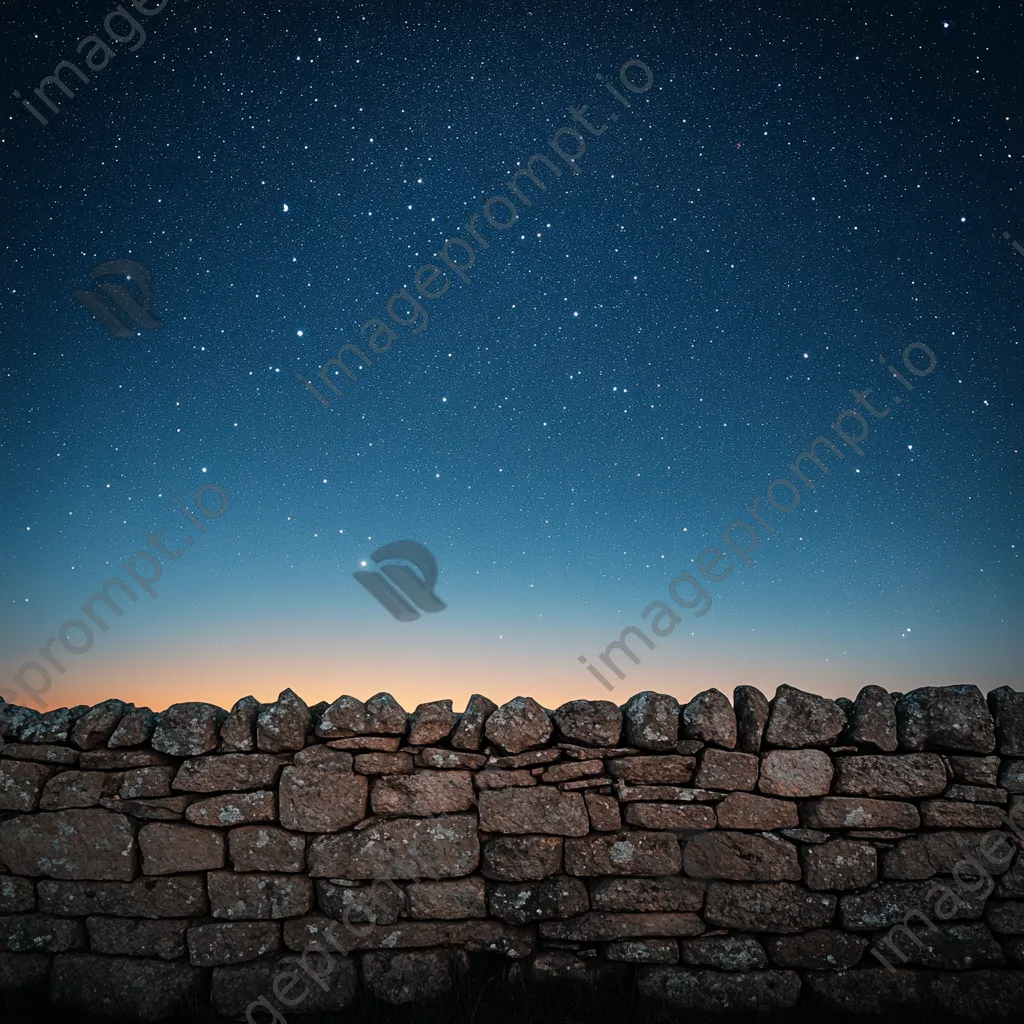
[[799, 192]]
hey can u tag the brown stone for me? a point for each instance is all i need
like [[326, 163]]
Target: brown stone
[[21, 784], [560, 965], [796, 773], [402, 978], [107, 760], [718, 991], [436, 757], [858, 812], [148, 897], [76, 789], [592, 723], [235, 988], [95, 727], [623, 853], [526, 902], [840, 864], [41, 752], [161, 808], [431, 723], [521, 858], [730, 770], [726, 952], [238, 733], [780, 907], [405, 848], [1007, 708], [643, 951], [232, 942], [709, 718], [676, 817], [324, 757], [234, 772], [39, 933], [469, 733], [314, 800], [575, 753], [135, 729], [258, 896], [598, 926], [51, 727], [284, 724], [518, 725], [873, 720], [233, 809], [888, 903], [380, 903], [751, 709], [145, 783], [748, 811], [974, 771], [542, 810], [951, 718], [604, 812], [977, 794], [652, 721], [86, 844], [126, 936], [921, 857], [741, 857], [422, 794], [169, 849], [380, 715], [818, 950], [498, 778], [664, 794], [652, 770], [447, 901], [570, 770], [187, 730], [901, 775], [110, 986], [531, 758], [800, 719], [265, 848], [954, 814], [645, 895]]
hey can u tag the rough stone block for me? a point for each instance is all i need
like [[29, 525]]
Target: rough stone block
[[709, 718], [233, 809], [232, 942], [643, 951], [720, 991], [518, 725], [187, 730], [21, 784], [748, 811], [258, 897], [282, 984], [422, 794], [796, 773], [401, 978], [858, 812], [873, 720], [888, 904], [526, 902], [127, 936], [901, 775], [227, 772], [950, 718], [40, 933], [724, 952], [265, 848], [469, 733], [381, 715], [955, 814], [598, 926], [522, 858], [674, 817], [542, 810], [819, 950], [314, 800], [604, 812], [592, 723], [169, 849], [722, 769], [780, 907], [284, 724], [840, 864], [447, 901], [87, 844], [623, 853], [741, 858], [76, 789], [652, 721], [752, 709], [148, 897], [800, 719]]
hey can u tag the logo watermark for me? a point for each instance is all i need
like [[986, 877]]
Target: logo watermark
[[418, 589], [124, 299]]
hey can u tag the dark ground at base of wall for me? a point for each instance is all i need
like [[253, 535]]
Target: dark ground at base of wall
[[485, 995]]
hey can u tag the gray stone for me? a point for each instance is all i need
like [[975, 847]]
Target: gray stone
[[469, 733], [652, 721], [977, 997], [126, 936], [21, 784], [23, 971], [888, 904], [643, 951], [16, 894], [526, 902], [800, 719], [233, 809], [50, 727], [238, 733], [95, 727], [284, 724], [646, 895], [134, 730], [592, 723], [148, 897], [1007, 707], [951, 718], [78, 844], [39, 933], [543, 810], [719, 991], [401, 978], [796, 773], [258, 896], [518, 725], [232, 942], [379, 903], [943, 946], [709, 718], [431, 723], [726, 952], [187, 730], [751, 708], [780, 907], [900, 775], [864, 991], [873, 720]]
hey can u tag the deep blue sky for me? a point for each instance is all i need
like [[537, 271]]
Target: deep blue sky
[[656, 338]]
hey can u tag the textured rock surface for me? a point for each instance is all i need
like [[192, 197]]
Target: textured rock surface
[[709, 718], [593, 723], [952, 718], [652, 721], [518, 725], [800, 719]]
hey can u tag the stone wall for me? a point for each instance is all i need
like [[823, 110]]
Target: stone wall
[[759, 853]]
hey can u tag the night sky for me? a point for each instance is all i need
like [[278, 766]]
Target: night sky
[[798, 194]]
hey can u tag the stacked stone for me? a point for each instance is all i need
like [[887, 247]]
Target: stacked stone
[[742, 855]]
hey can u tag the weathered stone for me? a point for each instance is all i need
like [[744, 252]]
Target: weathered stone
[[921, 857], [380, 715], [497, 778], [76, 789], [645, 895], [436, 757], [751, 709], [652, 770], [664, 794], [469, 733], [187, 730], [258, 896], [42, 752], [108, 760], [50, 727], [431, 723], [767, 907], [623, 853], [652, 721], [518, 725], [976, 794], [598, 926], [384, 764], [382, 744], [322, 756], [1011, 776], [888, 904], [643, 951], [314, 800], [858, 812], [748, 811], [716, 991], [796, 773], [576, 753], [233, 809], [525, 902], [234, 772], [800, 719], [401, 978], [21, 784], [1005, 918], [722, 769], [741, 857], [238, 733], [87, 844], [380, 903], [147, 897], [709, 718], [16, 894], [672, 817], [873, 720], [900, 775], [95, 727], [529, 759], [23, 971], [974, 771], [955, 947], [277, 979], [39, 933], [406, 848], [521, 858], [955, 814], [543, 810], [135, 729], [818, 950], [864, 991], [110, 986], [839, 864], [422, 794], [166, 808], [232, 942], [592, 723], [144, 783], [1007, 708], [126, 936], [284, 724], [448, 901], [175, 849], [726, 952], [953, 718], [604, 812], [569, 771]]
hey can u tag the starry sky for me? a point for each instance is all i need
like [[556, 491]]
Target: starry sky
[[799, 195]]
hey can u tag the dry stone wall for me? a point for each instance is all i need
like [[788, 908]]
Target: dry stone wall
[[279, 858]]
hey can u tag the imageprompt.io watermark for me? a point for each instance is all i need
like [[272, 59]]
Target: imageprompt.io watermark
[[117, 298], [418, 590]]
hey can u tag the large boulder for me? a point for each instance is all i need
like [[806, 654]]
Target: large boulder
[[469, 733], [946, 718], [518, 725], [741, 858], [95, 727], [187, 730], [751, 708], [801, 719], [381, 715], [709, 718], [431, 723], [284, 724], [652, 721], [873, 720], [134, 730], [592, 723]]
